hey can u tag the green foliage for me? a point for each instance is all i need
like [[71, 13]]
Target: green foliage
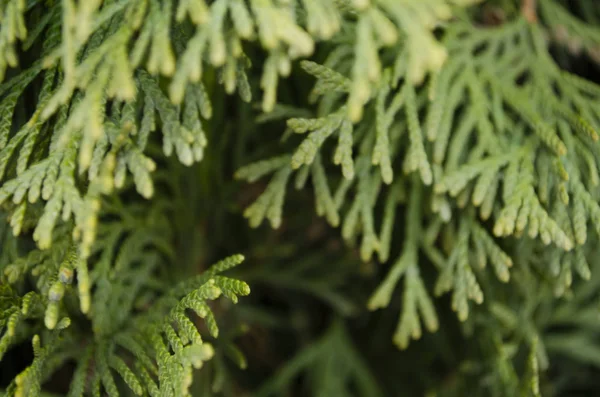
[[436, 142], [164, 338], [503, 131], [334, 365]]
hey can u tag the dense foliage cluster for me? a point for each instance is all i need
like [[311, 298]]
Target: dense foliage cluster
[[453, 143]]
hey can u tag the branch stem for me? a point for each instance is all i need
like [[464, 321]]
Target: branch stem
[[528, 8]]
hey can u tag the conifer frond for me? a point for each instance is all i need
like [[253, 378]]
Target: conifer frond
[[122, 261], [499, 127]]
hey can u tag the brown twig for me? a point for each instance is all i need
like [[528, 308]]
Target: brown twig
[[528, 8]]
